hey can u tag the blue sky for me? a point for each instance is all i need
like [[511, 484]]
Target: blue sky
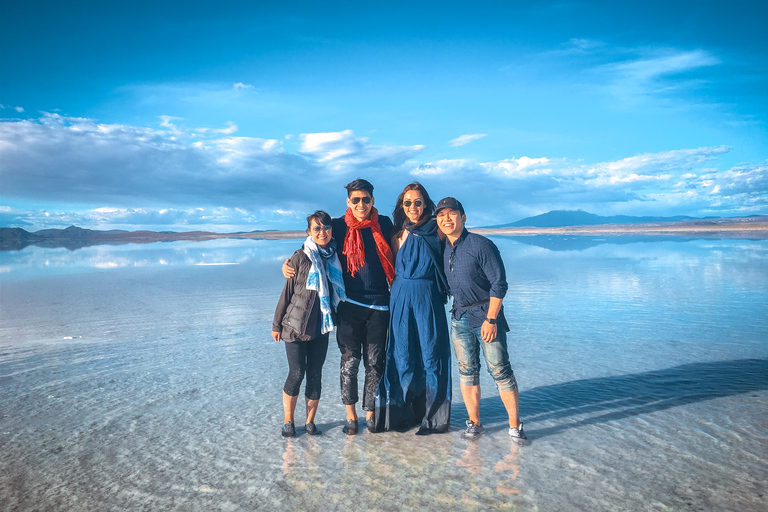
[[237, 116]]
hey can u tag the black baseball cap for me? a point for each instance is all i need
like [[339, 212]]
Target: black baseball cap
[[449, 202]]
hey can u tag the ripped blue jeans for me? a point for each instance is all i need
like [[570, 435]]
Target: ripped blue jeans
[[467, 343]]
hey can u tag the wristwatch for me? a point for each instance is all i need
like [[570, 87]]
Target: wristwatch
[[491, 321]]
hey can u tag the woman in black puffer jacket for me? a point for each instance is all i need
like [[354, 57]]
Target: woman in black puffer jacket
[[305, 316]]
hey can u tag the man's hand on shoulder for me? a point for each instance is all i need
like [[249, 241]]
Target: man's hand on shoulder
[[288, 270]]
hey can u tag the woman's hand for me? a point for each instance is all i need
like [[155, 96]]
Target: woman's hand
[[275, 335], [288, 270]]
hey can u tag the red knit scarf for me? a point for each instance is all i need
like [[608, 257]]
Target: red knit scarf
[[353, 244]]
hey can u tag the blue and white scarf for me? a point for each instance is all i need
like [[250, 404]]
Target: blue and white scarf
[[320, 275]]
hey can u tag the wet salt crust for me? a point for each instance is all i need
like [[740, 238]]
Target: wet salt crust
[[143, 377]]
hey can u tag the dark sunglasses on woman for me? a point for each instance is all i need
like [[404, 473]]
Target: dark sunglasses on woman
[[417, 203]]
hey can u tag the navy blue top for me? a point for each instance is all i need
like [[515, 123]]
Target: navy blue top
[[475, 273], [369, 286]]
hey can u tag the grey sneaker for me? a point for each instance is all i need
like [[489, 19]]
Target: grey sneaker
[[473, 431], [518, 435]]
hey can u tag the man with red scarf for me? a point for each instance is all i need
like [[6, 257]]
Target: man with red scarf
[[362, 239]]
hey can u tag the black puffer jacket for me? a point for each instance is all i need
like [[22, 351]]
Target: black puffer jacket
[[298, 309]]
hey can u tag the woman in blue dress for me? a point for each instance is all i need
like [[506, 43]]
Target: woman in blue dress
[[416, 386]]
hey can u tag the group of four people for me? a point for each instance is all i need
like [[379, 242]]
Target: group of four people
[[384, 285]]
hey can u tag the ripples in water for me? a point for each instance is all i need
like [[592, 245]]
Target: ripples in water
[[643, 371]]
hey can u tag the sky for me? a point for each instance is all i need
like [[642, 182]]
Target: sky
[[242, 116]]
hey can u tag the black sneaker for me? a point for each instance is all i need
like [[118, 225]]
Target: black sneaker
[[518, 435], [350, 428], [289, 430], [312, 430], [370, 423], [423, 431]]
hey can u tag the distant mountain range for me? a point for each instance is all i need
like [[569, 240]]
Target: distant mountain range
[[74, 237], [563, 218]]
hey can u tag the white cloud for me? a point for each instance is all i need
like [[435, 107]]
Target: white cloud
[[625, 75], [165, 121], [232, 149], [523, 166], [668, 63], [745, 184], [649, 167], [239, 86], [666, 179], [80, 161], [174, 176], [656, 72], [444, 167], [343, 151], [466, 139], [330, 145], [229, 130], [655, 163], [127, 218]]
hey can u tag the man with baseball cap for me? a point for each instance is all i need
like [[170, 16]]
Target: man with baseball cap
[[478, 283]]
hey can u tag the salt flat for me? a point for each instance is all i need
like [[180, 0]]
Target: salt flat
[[143, 377]]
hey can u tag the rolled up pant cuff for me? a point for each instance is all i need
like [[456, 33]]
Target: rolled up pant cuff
[[469, 380]]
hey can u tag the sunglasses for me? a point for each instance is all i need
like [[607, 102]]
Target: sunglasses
[[317, 229], [417, 203], [365, 199]]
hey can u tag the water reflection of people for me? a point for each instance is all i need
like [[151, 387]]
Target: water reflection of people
[[471, 460], [416, 387], [509, 463], [473, 463], [304, 317], [289, 458]]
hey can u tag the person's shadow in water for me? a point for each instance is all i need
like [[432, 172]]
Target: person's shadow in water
[[606, 399]]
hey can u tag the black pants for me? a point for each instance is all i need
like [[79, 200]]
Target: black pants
[[305, 357], [361, 334]]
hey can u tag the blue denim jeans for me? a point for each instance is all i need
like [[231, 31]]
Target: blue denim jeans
[[467, 343]]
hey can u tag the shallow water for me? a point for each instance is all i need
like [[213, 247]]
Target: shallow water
[[143, 377]]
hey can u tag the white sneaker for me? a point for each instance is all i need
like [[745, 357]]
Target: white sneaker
[[518, 435]]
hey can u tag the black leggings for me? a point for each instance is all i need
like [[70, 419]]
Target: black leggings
[[305, 357]]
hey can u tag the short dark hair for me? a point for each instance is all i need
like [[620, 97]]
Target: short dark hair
[[359, 184], [321, 217]]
